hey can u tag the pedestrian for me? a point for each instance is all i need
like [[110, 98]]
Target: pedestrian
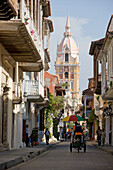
[[27, 135], [58, 134], [103, 137], [99, 136], [78, 131], [47, 133]]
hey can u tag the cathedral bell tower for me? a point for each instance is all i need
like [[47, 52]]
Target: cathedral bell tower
[[67, 64]]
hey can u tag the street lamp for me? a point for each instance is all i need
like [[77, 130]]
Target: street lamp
[[108, 111]]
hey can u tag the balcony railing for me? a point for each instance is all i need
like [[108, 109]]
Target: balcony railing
[[31, 87], [17, 92], [30, 25]]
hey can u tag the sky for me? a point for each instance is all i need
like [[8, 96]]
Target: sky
[[88, 20]]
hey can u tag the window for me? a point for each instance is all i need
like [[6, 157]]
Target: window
[[66, 57], [60, 76], [66, 87], [72, 85], [71, 76], [66, 75]]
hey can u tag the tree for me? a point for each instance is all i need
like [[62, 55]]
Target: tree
[[54, 109]]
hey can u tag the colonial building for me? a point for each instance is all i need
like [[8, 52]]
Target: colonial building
[[23, 59], [67, 66], [103, 52]]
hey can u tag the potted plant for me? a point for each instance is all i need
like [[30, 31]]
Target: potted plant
[[34, 136]]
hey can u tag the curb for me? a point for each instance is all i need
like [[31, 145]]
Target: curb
[[103, 149], [11, 163], [25, 158]]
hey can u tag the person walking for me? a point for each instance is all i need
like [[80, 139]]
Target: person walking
[[103, 137], [47, 133], [27, 135], [99, 136]]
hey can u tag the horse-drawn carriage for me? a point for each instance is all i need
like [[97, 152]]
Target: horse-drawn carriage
[[78, 142]]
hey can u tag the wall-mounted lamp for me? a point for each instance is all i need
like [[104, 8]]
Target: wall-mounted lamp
[[107, 111]]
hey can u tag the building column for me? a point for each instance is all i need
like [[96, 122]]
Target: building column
[[16, 72], [35, 17], [48, 40], [107, 128], [20, 130], [15, 127], [0, 100], [5, 122], [27, 3], [112, 126], [22, 10], [85, 105], [32, 9]]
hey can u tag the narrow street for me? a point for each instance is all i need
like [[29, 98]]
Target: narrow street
[[59, 157]]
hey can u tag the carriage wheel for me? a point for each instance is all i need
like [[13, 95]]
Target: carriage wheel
[[70, 147], [78, 148]]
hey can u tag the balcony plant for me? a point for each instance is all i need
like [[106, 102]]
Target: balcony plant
[[97, 97], [106, 88], [32, 32], [26, 21]]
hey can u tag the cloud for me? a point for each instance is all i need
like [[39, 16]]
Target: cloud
[[82, 39]]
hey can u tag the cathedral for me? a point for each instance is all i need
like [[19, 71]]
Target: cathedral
[[67, 66]]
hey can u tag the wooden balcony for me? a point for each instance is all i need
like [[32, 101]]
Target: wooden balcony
[[21, 39], [31, 67], [31, 91], [17, 93], [8, 9]]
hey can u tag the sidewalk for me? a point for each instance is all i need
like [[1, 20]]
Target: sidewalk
[[11, 158], [106, 148]]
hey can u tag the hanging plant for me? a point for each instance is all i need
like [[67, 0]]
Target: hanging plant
[[92, 117], [106, 89], [26, 21], [32, 32]]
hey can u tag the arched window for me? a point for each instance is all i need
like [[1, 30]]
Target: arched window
[[66, 57], [66, 75], [66, 87]]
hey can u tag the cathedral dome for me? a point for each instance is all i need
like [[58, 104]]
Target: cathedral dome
[[68, 44]]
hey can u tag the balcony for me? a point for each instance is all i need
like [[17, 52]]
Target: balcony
[[46, 8], [8, 9], [108, 95], [17, 93], [46, 98], [32, 91], [21, 39], [31, 67], [47, 60]]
